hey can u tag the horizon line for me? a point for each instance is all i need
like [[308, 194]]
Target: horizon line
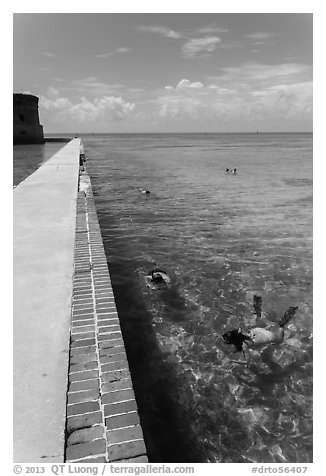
[[186, 132]]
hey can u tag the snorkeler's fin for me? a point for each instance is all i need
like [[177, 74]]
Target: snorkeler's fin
[[257, 302], [287, 316]]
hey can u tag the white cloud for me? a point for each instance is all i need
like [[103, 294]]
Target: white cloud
[[185, 83], [262, 35], [58, 109], [92, 85], [263, 93], [293, 99], [212, 28], [161, 30], [178, 106], [52, 93], [104, 55], [250, 93], [257, 75], [122, 49], [49, 55], [220, 90], [195, 47], [54, 105]]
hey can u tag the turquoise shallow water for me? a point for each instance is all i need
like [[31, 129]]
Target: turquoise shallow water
[[222, 239]]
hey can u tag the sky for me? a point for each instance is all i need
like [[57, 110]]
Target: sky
[[166, 72]]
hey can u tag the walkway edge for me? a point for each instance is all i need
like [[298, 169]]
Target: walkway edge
[[44, 238]]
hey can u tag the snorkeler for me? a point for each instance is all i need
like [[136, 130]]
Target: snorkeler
[[258, 336], [145, 192], [257, 302], [157, 278]]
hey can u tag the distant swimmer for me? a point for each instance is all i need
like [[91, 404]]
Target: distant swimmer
[[258, 337], [231, 171], [257, 303], [157, 278], [145, 192]]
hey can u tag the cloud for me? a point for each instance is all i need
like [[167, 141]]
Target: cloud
[[178, 107], [283, 104], [254, 75], [212, 28], [231, 45], [196, 47], [91, 85], [263, 35], [104, 55], [162, 31], [248, 93], [220, 90], [122, 49], [52, 93], [49, 55], [261, 38], [293, 101], [58, 80], [185, 83], [105, 109]]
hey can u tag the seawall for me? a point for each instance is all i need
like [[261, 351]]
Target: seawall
[[73, 394]]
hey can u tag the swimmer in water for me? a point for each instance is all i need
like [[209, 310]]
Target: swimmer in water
[[145, 192], [258, 336], [257, 302], [157, 278]]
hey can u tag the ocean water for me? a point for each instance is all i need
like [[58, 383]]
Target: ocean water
[[222, 239]]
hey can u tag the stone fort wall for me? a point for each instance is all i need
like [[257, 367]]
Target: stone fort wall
[[26, 128]]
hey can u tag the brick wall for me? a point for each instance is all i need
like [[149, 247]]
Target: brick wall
[[102, 419]]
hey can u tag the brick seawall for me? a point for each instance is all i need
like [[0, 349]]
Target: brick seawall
[[102, 419]]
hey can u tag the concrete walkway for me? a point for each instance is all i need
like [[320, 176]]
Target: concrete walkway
[[44, 238]]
